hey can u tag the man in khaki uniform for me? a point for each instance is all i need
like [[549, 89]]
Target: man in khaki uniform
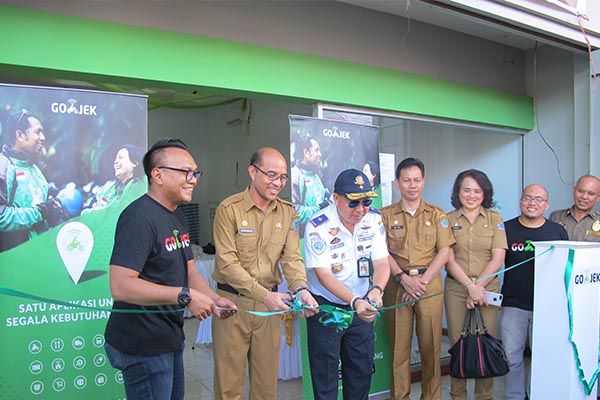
[[581, 221], [419, 240], [253, 231]]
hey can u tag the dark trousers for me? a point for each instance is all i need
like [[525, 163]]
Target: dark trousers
[[353, 346]]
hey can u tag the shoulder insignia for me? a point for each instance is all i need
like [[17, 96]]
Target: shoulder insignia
[[500, 226], [319, 220], [444, 223]]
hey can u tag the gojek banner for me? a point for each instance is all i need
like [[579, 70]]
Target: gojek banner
[[71, 161]]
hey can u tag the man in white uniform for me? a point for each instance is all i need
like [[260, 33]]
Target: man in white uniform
[[340, 246]]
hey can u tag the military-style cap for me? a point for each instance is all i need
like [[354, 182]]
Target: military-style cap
[[353, 185]]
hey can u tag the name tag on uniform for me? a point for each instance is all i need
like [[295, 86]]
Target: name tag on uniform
[[363, 267], [456, 227], [246, 230], [394, 227]]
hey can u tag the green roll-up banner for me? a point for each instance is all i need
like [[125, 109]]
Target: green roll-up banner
[[54, 260]]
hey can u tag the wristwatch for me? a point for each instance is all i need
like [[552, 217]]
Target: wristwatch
[[398, 277], [184, 297]]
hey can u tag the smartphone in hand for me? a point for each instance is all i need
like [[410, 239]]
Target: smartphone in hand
[[493, 299]]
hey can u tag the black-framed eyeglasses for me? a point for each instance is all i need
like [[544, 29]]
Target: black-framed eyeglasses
[[189, 173], [272, 176], [537, 199], [356, 203]]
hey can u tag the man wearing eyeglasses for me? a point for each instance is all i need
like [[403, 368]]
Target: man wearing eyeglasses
[[153, 277], [25, 209], [516, 315], [340, 244], [254, 232], [581, 221], [418, 239]]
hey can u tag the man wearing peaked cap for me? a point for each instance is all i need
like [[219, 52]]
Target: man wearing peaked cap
[[340, 245]]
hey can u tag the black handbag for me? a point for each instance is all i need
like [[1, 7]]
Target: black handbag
[[476, 354]]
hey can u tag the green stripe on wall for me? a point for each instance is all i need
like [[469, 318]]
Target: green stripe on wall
[[66, 46]]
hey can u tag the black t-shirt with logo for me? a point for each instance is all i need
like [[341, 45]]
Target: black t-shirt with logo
[[155, 242], [518, 282]]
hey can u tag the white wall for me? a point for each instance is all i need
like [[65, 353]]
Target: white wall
[[560, 85]]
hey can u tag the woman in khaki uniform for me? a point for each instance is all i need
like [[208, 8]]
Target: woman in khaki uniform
[[478, 252]]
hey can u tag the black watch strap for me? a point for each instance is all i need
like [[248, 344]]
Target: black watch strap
[[184, 298], [398, 278]]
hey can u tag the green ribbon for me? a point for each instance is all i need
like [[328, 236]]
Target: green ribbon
[[336, 316], [587, 386]]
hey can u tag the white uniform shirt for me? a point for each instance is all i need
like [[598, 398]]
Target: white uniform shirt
[[328, 244]]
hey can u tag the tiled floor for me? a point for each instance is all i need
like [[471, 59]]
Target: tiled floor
[[199, 375]]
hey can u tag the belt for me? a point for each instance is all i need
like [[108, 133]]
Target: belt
[[473, 278], [229, 289], [414, 271]]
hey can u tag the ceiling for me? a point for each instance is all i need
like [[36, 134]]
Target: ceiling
[[448, 17]]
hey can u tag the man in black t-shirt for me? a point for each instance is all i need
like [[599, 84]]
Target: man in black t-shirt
[[152, 269], [516, 316]]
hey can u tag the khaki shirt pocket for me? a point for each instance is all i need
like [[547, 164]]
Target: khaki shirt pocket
[[396, 239], [484, 236], [246, 246], [430, 235], [276, 245]]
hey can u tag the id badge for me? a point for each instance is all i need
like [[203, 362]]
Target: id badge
[[363, 267]]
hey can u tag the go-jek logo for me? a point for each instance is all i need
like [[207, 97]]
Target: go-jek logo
[[177, 241], [590, 277], [73, 108], [527, 246]]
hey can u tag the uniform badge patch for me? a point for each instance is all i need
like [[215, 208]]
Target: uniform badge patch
[[337, 267], [500, 226], [444, 223], [317, 245]]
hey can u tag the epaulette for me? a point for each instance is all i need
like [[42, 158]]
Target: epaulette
[[283, 201], [235, 198], [319, 220], [374, 210]]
